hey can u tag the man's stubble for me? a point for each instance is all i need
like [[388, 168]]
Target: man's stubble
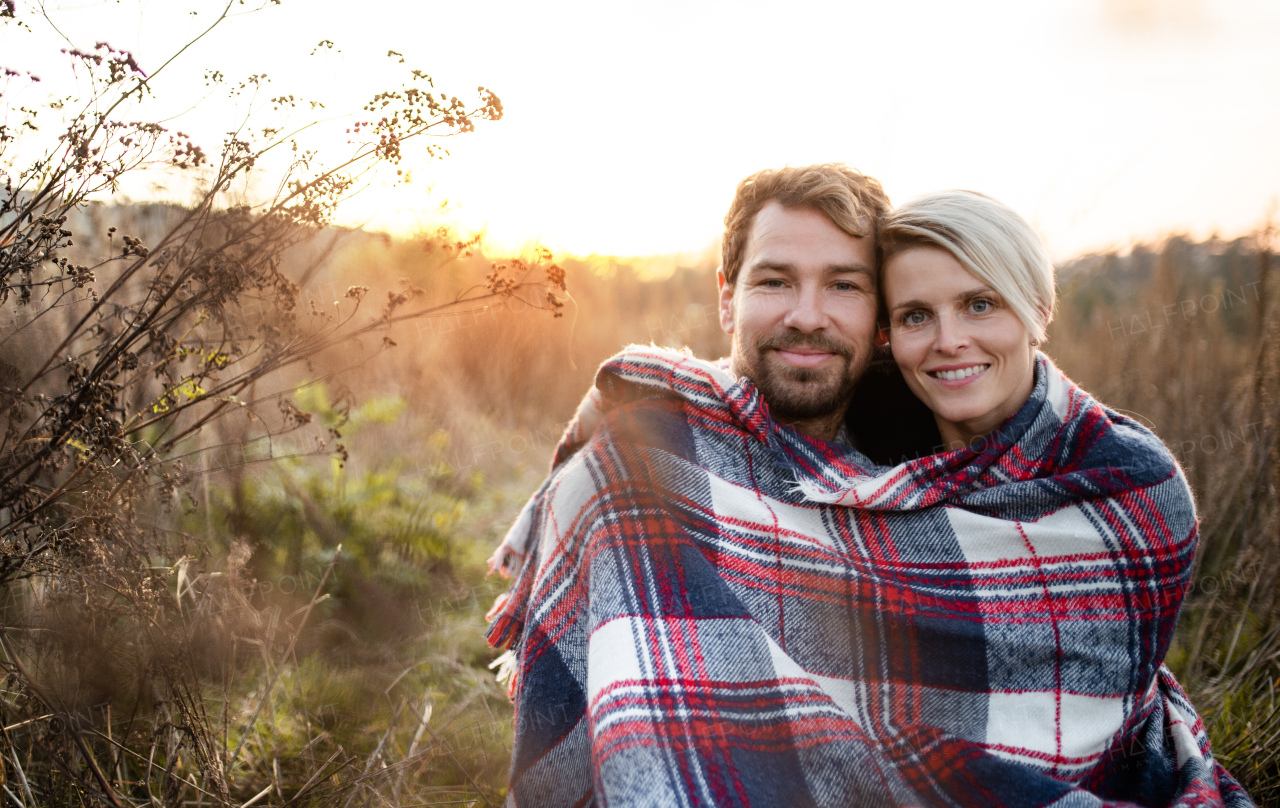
[[800, 394]]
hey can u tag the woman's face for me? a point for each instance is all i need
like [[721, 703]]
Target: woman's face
[[962, 351]]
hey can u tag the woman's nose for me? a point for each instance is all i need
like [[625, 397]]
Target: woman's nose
[[951, 335]]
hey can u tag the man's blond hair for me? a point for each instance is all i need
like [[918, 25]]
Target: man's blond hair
[[852, 201]]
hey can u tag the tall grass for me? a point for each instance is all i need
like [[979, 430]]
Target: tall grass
[[1180, 335], [1183, 336], [319, 676]]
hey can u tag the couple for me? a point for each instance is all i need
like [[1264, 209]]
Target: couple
[[781, 580]]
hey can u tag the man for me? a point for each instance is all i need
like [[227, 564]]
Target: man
[[712, 608], [798, 297], [798, 289]]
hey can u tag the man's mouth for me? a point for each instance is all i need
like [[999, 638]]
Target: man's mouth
[[804, 352], [803, 357], [956, 374]]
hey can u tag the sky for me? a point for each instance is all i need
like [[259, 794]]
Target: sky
[[628, 125]]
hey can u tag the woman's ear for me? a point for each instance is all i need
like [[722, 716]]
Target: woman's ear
[[882, 336]]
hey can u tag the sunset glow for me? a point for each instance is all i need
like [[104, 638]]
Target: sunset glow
[[626, 129]]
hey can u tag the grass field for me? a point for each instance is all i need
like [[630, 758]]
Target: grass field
[[310, 674]]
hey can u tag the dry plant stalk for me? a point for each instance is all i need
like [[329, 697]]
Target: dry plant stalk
[[119, 358]]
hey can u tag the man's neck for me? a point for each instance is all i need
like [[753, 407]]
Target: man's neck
[[824, 427]]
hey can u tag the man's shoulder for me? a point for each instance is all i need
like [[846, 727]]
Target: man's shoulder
[[659, 421]]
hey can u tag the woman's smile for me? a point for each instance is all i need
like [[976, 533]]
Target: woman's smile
[[959, 375]]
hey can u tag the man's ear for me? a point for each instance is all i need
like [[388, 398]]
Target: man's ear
[[726, 301]]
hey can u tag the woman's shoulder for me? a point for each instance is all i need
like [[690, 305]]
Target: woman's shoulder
[[1101, 437]]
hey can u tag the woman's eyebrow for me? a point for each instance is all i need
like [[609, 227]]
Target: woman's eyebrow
[[981, 290], [911, 304]]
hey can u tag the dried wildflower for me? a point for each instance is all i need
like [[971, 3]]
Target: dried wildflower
[[134, 246], [556, 277], [290, 413], [497, 282], [554, 304]]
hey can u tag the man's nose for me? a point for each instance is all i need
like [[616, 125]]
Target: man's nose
[[951, 335], [808, 311]]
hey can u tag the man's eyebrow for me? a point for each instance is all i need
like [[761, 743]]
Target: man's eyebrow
[[833, 269], [775, 266], [860, 269]]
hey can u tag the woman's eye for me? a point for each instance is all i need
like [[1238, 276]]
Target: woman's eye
[[982, 306], [914, 318]]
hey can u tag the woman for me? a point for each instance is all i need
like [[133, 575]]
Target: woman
[[968, 292], [983, 625]]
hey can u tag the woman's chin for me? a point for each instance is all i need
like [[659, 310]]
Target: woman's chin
[[955, 410], [976, 409]]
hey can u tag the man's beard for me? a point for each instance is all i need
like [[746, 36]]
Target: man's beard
[[798, 394]]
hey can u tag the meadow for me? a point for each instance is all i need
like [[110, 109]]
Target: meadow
[[1180, 335], [320, 573]]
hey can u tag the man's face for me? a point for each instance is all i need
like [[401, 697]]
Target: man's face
[[802, 312]]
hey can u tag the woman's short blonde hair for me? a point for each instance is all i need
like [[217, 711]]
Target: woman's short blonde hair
[[989, 239]]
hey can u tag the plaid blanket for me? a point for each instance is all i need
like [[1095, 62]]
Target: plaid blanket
[[712, 609]]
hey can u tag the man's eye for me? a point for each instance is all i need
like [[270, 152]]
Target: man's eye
[[772, 283], [845, 286]]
